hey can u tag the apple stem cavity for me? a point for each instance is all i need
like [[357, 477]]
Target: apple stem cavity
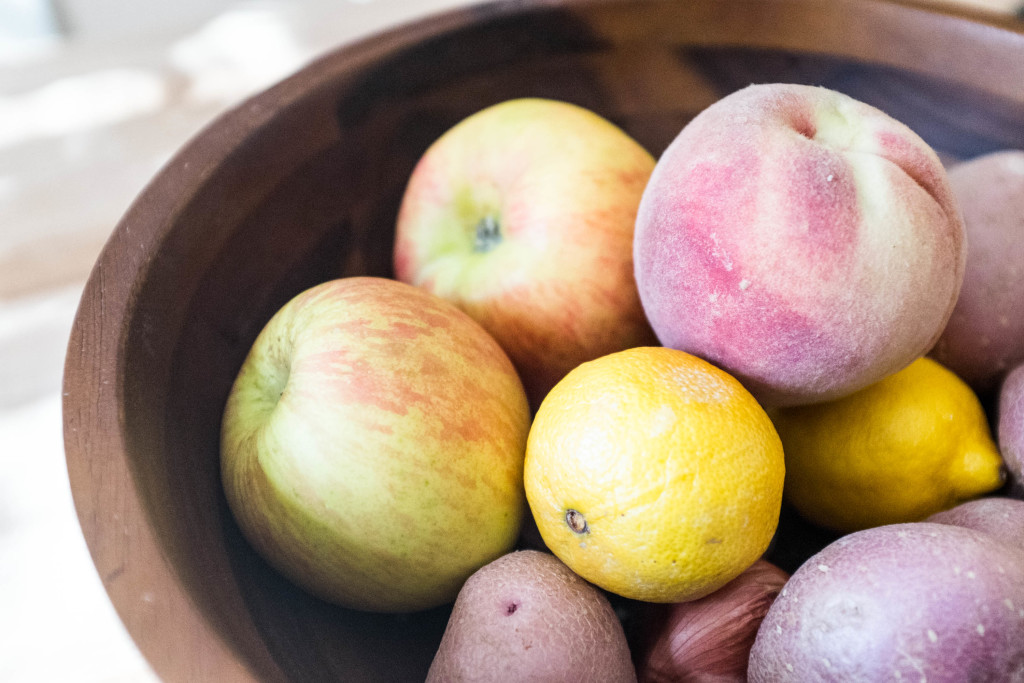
[[488, 235], [281, 378]]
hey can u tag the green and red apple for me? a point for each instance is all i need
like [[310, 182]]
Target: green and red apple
[[372, 445], [522, 215]]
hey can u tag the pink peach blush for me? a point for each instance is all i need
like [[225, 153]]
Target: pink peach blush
[[805, 242]]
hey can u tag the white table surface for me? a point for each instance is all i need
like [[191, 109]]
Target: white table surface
[[82, 129]]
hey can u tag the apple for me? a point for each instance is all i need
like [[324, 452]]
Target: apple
[[372, 445], [805, 242], [522, 215]]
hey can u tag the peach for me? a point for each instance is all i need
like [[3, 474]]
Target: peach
[[985, 335], [804, 241]]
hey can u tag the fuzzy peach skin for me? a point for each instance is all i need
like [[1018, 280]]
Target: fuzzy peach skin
[[985, 335], [522, 215], [807, 243]]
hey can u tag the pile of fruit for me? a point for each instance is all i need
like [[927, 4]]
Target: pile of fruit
[[599, 379]]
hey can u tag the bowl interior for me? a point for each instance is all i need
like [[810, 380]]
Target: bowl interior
[[302, 183]]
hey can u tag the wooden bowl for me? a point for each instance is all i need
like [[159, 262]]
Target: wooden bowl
[[300, 184]]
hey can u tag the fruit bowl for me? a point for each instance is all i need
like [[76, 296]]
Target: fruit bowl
[[301, 184]]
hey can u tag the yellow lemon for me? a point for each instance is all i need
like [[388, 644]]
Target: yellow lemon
[[654, 475], [912, 444]]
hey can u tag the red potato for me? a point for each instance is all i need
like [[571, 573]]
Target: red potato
[[528, 617], [904, 602], [985, 334], [1010, 429], [1003, 518]]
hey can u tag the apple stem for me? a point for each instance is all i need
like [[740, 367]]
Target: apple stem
[[488, 234]]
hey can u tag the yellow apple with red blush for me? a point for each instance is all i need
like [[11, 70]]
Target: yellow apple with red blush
[[372, 445], [522, 215]]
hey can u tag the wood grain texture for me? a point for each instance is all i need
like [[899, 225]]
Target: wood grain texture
[[301, 184]]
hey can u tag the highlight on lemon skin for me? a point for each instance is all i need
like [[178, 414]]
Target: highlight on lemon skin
[[654, 475], [908, 446]]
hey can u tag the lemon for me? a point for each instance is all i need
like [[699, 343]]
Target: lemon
[[654, 475], [910, 445]]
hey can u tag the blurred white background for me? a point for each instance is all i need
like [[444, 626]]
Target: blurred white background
[[95, 95]]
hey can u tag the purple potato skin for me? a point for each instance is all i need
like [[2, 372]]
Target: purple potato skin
[[1010, 429], [1003, 518], [984, 337], [903, 602], [527, 617]]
